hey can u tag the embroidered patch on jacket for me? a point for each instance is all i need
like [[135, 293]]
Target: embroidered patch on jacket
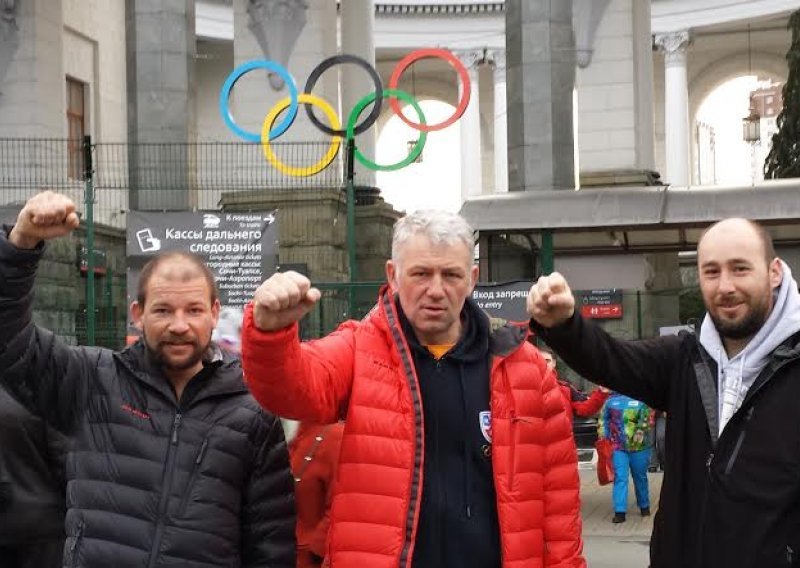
[[485, 419], [137, 413]]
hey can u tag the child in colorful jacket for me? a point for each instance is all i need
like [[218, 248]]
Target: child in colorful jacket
[[627, 423]]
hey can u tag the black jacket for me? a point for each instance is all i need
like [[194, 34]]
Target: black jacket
[[150, 481], [732, 502], [31, 477]]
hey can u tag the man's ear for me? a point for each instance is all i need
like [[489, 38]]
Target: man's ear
[[775, 272], [137, 311], [473, 277], [215, 307], [391, 274]]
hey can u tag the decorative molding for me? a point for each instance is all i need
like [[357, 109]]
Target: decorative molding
[[439, 8], [586, 16], [9, 35], [674, 45], [497, 58], [277, 24], [471, 58]]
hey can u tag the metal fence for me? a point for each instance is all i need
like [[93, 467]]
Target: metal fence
[[106, 180], [82, 295]]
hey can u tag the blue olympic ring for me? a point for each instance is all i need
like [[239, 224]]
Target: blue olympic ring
[[235, 75]]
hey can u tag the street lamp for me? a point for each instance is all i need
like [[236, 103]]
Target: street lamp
[[751, 127]]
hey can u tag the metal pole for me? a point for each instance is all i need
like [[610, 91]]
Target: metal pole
[[639, 314], [546, 252], [351, 224], [89, 202]]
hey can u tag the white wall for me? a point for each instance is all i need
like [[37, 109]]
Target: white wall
[[613, 131], [94, 52]]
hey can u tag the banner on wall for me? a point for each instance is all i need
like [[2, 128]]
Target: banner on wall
[[241, 249], [505, 300]]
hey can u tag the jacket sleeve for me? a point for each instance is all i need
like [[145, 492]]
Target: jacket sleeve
[[332, 447], [268, 512], [42, 372], [602, 423], [562, 504], [309, 381], [641, 369], [591, 405]]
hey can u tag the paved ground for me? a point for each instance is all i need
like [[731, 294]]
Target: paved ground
[[607, 545]]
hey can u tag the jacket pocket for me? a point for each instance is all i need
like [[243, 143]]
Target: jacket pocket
[[192, 477], [75, 547]]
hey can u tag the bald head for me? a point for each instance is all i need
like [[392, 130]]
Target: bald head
[[734, 229], [176, 267]]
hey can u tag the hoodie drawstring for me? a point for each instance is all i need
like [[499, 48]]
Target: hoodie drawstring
[[465, 444]]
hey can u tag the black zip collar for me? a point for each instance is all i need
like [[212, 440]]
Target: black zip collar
[[221, 376]]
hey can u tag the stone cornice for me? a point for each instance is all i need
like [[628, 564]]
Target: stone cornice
[[445, 9]]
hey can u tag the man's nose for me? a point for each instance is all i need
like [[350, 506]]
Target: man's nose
[[178, 323], [726, 282], [436, 286]]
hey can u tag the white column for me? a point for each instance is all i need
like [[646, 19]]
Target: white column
[[500, 123], [471, 170], [358, 33], [676, 106]]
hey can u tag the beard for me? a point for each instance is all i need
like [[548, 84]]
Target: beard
[[746, 327], [158, 352]]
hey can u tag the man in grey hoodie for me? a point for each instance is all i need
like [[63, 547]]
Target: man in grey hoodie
[[731, 490]]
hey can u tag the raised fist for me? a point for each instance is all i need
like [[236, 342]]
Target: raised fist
[[550, 301], [45, 216], [282, 299]]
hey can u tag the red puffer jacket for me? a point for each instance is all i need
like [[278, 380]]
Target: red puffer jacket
[[364, 371]]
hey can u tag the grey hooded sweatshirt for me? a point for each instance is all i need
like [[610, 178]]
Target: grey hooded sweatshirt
[[737, 374]]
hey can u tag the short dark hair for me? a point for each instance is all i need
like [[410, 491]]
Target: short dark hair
[[761, 233], [197, 263]]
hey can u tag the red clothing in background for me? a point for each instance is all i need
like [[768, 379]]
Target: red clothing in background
[[578, 403], [314, 487]]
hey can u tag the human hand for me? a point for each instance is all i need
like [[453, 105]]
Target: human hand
[[45, 216], [282, 299], [550, 301]]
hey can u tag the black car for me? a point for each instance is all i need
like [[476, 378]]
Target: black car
[[585, 432]]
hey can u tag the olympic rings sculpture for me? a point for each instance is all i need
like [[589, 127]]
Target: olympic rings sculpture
[[271, 131]]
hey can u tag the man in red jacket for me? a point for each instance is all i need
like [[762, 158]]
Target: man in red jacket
[[457, 449], [314, 453], [576, 401]]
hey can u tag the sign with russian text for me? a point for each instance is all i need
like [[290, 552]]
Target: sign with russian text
[[240, 248], [600, 304], [506, 300]]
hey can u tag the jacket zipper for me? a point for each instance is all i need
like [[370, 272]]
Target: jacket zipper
[[190, 483], [75, 547], [166, 487], [512, 452]]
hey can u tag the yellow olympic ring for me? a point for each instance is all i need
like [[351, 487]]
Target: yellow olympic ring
[[329, 156]]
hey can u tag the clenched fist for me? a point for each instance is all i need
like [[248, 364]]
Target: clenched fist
[[282, 299], [550, 301], [45, 216]]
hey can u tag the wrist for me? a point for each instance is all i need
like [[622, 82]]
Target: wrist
[[22, 241]]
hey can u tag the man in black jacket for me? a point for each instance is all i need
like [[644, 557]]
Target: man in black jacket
[[172, 462], [731, 490], [31, 488]]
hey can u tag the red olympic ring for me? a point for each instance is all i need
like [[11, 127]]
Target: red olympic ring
[[414, 56]]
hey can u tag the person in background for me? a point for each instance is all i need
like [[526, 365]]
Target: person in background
[[32, 500], [314, 454], [627, 424], [577, 402]]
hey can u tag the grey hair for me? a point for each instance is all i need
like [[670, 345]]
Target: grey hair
[[440, 227]]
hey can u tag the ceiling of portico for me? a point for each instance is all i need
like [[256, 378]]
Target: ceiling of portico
[[722, 52]]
